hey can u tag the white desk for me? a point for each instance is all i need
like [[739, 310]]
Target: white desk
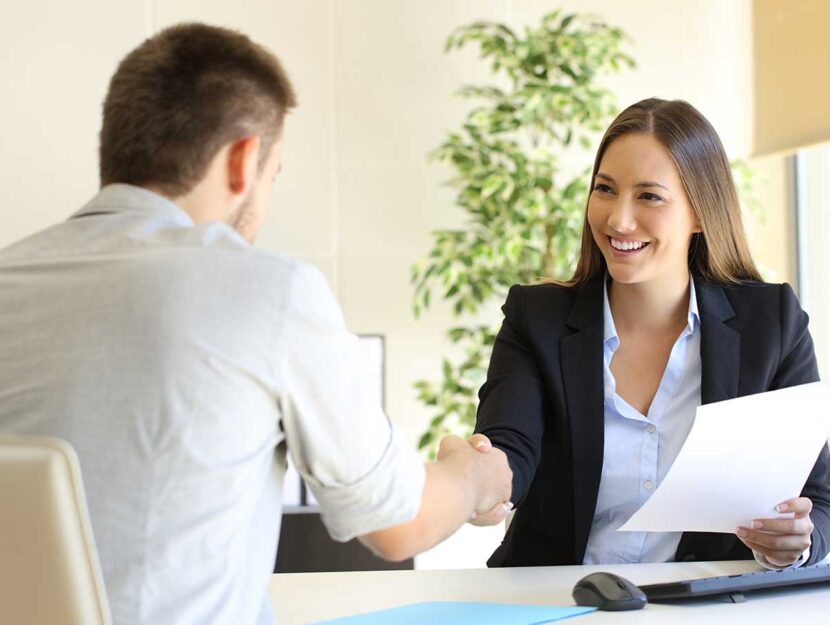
[[301, 598]]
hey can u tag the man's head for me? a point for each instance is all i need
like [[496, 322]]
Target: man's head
[[196, 113]]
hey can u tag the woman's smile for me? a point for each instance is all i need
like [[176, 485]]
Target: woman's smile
[[625, 248]]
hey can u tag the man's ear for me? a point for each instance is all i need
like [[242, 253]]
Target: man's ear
[[243, 163]]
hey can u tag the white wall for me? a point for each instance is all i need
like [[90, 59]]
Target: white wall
[[56, 61], [357, 196]]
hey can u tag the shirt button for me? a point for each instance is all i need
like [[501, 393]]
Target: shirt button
[[648, 485], [651, 429]]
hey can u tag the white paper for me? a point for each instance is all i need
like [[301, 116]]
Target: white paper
[[742, 458]]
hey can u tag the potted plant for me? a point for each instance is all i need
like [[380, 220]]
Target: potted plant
[[524, 214]]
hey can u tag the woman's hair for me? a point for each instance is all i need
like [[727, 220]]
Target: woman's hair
[[720, 252]]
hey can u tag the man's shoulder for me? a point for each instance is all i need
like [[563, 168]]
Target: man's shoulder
[[236, 268], [212, 260]]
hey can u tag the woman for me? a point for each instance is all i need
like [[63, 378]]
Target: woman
[[593, 384]]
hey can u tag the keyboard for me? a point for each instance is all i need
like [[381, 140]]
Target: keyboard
[[737, 584]]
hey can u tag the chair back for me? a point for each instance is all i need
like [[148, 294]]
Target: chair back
[[49, 570]]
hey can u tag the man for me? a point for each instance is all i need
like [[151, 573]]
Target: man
[[181, 364]]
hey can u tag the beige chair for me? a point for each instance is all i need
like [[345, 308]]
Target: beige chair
[[49, 572]]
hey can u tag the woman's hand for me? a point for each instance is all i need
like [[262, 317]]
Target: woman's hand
[[499, 512], [781, 541]]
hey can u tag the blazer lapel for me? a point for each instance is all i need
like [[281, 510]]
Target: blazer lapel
[[720, 345], [581, 365]]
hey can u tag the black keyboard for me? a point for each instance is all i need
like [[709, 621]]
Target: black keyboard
[[737, 584]]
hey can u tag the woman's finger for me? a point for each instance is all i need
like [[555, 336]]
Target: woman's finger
[[493, 516], [480, 442], [774, 557], [798, 525], [775, 542], [799, 505]]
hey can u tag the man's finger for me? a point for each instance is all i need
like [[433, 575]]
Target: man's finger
[[451, 442]]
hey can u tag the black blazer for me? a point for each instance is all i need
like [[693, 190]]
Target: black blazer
[[543, 400]]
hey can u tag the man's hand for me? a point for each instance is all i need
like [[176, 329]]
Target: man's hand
[[488, 473], [494, 478], [781, 541], [462, 482]]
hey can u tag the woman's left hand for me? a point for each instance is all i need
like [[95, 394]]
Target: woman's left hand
[[781, 541]]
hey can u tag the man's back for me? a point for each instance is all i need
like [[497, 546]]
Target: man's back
[[147, 344], [177, 360]]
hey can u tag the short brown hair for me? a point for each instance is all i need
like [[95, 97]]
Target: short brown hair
[[720, 253], [183, 94]]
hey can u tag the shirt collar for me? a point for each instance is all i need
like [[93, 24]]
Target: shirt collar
[[126, 198], [610, 335]]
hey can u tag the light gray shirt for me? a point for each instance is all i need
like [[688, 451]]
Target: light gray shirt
[[181, 364]]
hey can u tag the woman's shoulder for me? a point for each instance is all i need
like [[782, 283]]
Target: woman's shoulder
[[763, 302], [757, 292], [550, 300], [545, 291]]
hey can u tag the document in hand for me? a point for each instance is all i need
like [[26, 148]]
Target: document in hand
[[460, 613], [742, 458]]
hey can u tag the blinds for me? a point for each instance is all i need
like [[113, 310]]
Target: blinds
[[792, 88]]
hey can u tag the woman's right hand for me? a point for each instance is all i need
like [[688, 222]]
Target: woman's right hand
[[499, 512]]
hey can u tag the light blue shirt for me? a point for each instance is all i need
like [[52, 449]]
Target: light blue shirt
[[640, 449]]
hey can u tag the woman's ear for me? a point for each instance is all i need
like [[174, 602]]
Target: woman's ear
[[696, 227]]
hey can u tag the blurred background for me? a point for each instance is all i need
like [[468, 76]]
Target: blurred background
[[364, 195]]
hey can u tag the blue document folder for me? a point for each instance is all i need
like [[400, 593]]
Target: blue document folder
[[460, 613]]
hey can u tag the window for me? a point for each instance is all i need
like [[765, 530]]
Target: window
[[812, 168]]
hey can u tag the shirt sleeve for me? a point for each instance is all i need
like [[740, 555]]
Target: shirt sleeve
[[350, 455]]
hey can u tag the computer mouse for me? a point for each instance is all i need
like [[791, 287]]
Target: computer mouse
[[607, 591]]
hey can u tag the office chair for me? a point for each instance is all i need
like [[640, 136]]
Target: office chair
[[49, 571]]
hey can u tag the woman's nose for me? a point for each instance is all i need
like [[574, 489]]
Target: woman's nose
[[621, 218]]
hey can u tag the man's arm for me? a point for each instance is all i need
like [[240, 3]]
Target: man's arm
[[346, 449], [460, 484]]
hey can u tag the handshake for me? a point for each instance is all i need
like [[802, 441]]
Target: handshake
[[487, 472], [470, 482]]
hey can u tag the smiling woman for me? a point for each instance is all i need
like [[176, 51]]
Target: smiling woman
[[593, 383], [642, 227], [674, 159]]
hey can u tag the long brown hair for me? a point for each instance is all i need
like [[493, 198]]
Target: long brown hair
[[720, 252]]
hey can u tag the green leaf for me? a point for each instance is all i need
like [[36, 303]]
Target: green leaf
[[426, 438]]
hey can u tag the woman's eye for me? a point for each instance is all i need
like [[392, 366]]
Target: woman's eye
[[651, 197], [603, 188]]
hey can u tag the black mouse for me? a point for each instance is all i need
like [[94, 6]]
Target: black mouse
[[607, 591]]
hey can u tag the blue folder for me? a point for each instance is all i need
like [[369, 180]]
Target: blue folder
[[461, 613]]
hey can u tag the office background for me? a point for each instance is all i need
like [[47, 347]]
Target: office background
[[357, 197]]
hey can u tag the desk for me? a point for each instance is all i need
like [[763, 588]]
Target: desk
[[301, 598]]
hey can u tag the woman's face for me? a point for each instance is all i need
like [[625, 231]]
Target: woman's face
[[639, 214]]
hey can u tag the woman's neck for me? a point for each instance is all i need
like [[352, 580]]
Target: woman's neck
[[655, 306]]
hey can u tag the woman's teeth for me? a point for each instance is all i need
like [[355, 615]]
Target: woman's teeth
[[627, 246]]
